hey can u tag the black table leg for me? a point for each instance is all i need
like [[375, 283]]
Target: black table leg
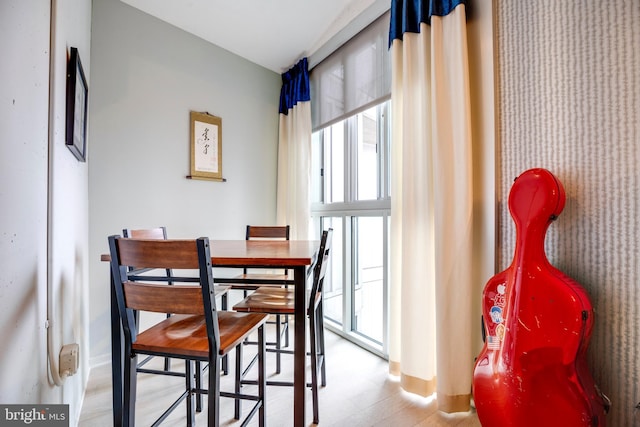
[[299, 380]]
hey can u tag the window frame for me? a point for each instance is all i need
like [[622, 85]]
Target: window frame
[[349, 210]]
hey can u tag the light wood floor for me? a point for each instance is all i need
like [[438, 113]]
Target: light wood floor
[[359, 392]]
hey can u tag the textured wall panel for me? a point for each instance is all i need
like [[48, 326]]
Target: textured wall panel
[[569, 101]]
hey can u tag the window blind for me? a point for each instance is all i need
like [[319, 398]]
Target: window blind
[[354, 77]]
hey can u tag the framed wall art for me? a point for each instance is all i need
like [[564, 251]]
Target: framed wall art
[[76, 114], [206, 146]]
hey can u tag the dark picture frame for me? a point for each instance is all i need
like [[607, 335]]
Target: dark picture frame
[[76, 116]]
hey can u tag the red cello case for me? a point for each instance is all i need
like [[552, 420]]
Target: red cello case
[[532, 370]]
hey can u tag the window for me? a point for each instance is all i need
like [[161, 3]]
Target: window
[[350, 183]]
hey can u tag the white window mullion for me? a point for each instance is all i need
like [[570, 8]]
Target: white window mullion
[[382, 155], [347, 323]]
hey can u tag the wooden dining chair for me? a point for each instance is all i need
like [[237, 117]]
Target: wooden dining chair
[[250, 281], [281, 301], [196, 330], [160, 233]]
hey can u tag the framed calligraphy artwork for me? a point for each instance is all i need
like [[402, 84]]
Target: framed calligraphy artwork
[[206, 146]]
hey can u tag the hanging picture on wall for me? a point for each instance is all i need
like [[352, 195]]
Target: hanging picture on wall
[[76, 115], [206, 146]]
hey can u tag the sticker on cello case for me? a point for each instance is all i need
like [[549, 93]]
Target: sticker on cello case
[[500, 299], [500, 329], [493, 342], [496, 314]]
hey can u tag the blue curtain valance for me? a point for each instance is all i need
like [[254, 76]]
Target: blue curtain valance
[[295, 86], [406, 15]]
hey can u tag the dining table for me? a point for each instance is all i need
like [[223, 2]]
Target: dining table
[[298, 256]]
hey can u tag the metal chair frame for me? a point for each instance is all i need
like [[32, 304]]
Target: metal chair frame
[[259, 302], [212, 334]]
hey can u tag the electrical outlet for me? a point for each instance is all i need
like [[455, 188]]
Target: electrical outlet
[[69, 360]]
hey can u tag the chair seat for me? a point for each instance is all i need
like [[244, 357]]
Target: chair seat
[[266, 277], [269, 300], [186, 335], [252, 281], [280, 301]]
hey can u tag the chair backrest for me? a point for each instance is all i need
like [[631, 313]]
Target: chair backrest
[[159, 233], [267, 232], [280, 232], [134, 292], [320, 269]]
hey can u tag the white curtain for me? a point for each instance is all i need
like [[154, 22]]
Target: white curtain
[[431, 227], [294, 164]]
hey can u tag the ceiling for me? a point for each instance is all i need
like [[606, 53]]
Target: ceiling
[[272, 33]]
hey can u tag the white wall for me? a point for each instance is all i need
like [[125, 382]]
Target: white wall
[[23, 199], [146, 77], [35, 163]]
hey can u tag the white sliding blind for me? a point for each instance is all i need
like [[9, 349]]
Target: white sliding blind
[[354, 77]]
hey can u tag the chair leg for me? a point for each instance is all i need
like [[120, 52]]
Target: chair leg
[[238, 385], [286, 323], [320, 322], [129, 392], [262, 383], [313, 342], [198, 376], [191, 417], [167, 360], [224, 302], [278, 344], [286, 334], [213, 393]]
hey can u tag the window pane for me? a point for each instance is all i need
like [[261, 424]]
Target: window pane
[[332, 85], [333, 289], [334, 164], [367, 155], [368, 295]]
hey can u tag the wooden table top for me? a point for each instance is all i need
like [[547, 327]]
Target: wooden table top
[[263, 252], [259, 253]]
